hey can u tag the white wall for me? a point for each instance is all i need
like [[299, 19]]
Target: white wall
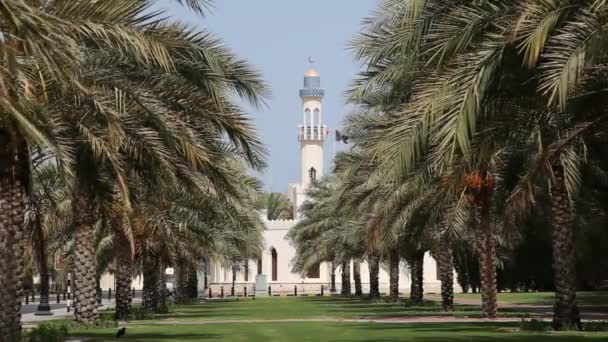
[[107, 282], [274, 236], [312, 156]]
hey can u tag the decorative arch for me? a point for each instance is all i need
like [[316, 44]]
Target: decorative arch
[[275, 261]]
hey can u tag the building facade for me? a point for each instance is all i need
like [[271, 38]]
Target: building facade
[[278, 253]]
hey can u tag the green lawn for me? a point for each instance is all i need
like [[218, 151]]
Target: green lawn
[[312, 307], [294, 332], [543, 298], [200, 323]]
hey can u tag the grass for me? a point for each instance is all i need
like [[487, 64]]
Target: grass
[[542, 298], [312, 307], [258, 332], [200, 322]]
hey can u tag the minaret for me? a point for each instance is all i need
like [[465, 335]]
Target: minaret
[[312, 132]]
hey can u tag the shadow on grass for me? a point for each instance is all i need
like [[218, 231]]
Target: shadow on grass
[[110, 336]]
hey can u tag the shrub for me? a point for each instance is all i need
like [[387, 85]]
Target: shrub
[[533, 324], [595, 326], [47, 332]]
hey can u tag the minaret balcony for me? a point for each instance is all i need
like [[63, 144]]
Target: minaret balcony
[[316, 133], [312, 92]]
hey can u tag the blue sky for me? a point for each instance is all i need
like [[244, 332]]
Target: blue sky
[[277, 36]]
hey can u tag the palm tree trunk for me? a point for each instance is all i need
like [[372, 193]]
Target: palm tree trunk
[[124, 275], [11, 281], [193, 283], [186, 279], [345, 291], [180, 284], [84, 217], [163, 306], [374, 270], [566, 312], [43, 268], [445, 263], [487, 256], [151, 273], [357, 277], [394, 260], [14, 180], [332, 287], [417, 277], [98, 289]]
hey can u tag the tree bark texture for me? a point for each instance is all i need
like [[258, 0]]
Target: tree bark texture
[[14, 182], [394, 260], [193, 283], [374, 270], [332, 284], [163, 293], [566, 313], [43, 267], [181, 283], [487, 256], [186, 279], [417, 278], [84, 217], [357, 277], [124, 274], [345, 290], [445, 263], [151, 273]]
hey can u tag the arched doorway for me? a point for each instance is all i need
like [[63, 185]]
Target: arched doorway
[[273, 253]]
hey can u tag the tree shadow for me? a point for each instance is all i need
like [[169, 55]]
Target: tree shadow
[[148, 337]]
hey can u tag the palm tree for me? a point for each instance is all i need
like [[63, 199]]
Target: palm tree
[[277, 206], [128, 28], [450, 67], [43, 208]]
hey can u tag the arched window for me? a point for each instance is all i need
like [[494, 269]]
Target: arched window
[[314, 272], [273, 253], [246, 270], [312, 174], [259, 266]]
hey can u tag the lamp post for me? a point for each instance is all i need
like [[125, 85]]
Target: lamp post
[[69, 291]]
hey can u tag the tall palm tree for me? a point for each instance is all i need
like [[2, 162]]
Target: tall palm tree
[[277, 206], [450, 67], [30, 64]]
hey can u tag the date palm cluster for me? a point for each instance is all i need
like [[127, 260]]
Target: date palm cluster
[[122, 149], [472, 117]]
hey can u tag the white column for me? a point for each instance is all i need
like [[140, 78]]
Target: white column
[[312, 124], [320, 125], [304, 123]]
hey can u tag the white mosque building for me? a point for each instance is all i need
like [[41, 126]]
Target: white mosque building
[[273, 268]]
